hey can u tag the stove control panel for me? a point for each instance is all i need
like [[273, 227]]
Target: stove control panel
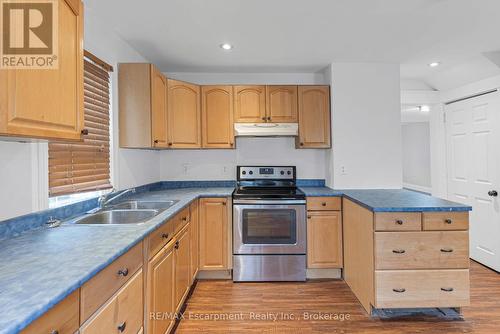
[[262, 172]]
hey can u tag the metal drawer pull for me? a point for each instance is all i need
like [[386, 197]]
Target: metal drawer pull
[[122, 326], [164, 235], [176, 245], [399, 222], [448, 221], [184, 219], [446, 250], [123, 272], [55, 331], [447, 289], [398, 251], [323, 203], [399, 290]]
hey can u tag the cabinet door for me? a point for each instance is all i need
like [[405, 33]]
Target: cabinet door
[[182, 266], [158, 108], [213, 233], [194, 228], [324, 239], [217, 116], [183, 111], [281, 104], [249, 104], [47, 103], [314, 117], [160, 290]]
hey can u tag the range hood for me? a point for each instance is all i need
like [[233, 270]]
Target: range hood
[[266, 129]]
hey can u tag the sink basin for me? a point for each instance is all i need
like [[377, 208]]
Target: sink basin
[[117, 217], [139, 205]]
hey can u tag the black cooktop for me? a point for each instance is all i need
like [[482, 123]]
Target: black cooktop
[[268, 193]]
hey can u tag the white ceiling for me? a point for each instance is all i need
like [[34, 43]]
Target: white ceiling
[[304, 35]]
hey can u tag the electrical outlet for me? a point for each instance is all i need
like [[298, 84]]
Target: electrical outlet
[[343, 170], [185, 168]]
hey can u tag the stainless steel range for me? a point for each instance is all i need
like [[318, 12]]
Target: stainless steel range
[[269, 225]]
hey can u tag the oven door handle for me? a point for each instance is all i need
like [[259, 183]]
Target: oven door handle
[[276, 202]]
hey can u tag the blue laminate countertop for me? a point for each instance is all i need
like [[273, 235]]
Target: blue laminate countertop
[[40, 268], [388, 200]]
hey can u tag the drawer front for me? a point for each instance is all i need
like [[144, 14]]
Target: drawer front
[[161, 237], [122, 314], [62, 318], [421, 288], [181, 219], [422, 250], [101, 287], [398, 221], [432, 221], [324, 203]]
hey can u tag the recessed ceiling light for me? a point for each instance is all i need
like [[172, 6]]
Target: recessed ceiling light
[[434, 64], [226, 46]]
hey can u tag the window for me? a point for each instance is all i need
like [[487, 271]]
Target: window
[[80, 167]]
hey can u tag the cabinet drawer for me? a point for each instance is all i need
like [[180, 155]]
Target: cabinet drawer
[[161, 237], [62, 318], [101, 287], [122, 314], [421, 250], [446, 220], [398, 221], [324, 203], [181, 219], [421, 288]]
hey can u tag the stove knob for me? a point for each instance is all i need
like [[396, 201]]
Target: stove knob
[[250, 172], [282, 172], [244, 172], [289, 172]]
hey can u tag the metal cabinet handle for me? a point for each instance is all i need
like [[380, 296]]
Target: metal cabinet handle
[[399, 222], [85, 132], [447, 289], [398, 251], [169, 144], [446, 250], [55, 331], [263, 118], [269, 118], [448, 221], [401, 290], [123, 272], [121, 327], [223, 203], [184, 219], [308, 217], [493, 193], [301, 144], [156, 141], [164, 235], [176, 245]]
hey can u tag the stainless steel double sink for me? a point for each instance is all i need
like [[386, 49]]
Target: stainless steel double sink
[[129, 212]]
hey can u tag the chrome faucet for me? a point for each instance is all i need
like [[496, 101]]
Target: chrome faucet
[[103, 200]]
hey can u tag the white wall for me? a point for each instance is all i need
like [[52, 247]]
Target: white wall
[[221, 164], [366, 125], [416, 155], [250, 78]]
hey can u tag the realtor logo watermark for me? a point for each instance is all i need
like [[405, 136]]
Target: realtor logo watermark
[[29, 34]]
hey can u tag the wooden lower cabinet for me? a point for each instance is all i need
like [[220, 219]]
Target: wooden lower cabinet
[[61, 319], [123, 313], [324, 240], [182, 261], [160, 291], [213, 234], [404, 267], [195, 232]]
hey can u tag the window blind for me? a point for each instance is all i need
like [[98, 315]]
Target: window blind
[[85, 166]]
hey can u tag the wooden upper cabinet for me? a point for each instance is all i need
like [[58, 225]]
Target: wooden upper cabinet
[[158, 108], [184, 128], [142, 106], [48, 103], [249, 104], [314, 117], [281, 104], [217, 116]]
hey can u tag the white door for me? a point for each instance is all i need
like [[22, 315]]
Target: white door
[[473, 163]]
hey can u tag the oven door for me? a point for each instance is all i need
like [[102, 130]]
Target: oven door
[[272, 228]]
